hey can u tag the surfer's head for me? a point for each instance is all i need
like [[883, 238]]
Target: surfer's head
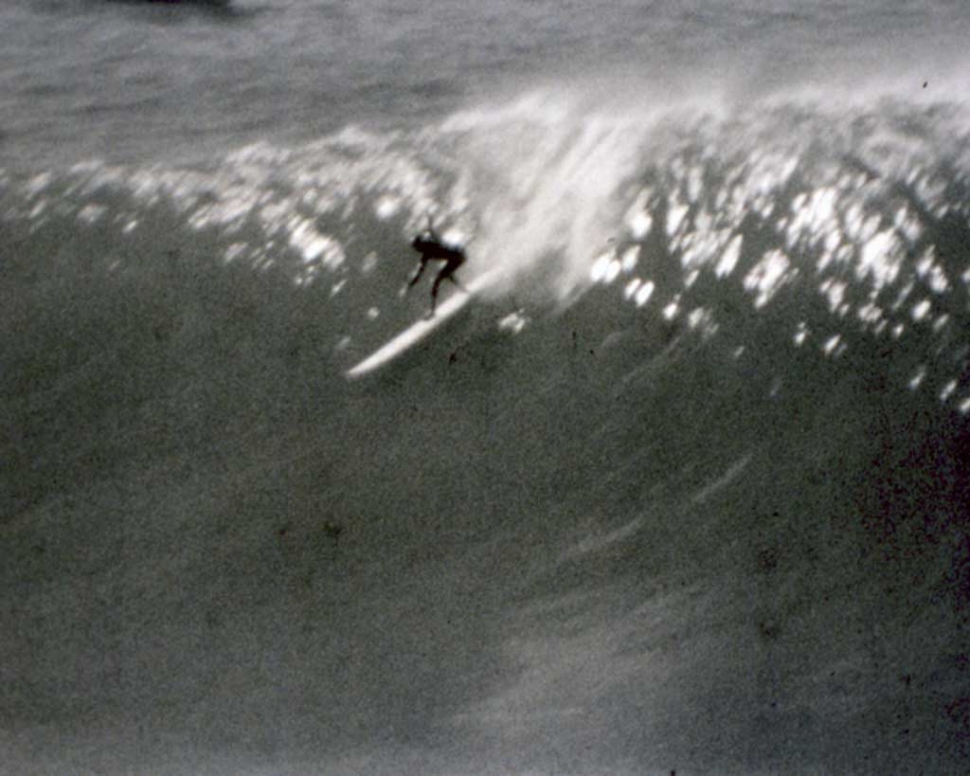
[[424, 241]]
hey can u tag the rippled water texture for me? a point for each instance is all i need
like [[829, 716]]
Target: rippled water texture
[[685, 490]]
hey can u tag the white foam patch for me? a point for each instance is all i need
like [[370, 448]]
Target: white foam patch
[[313, 246], [921, 310], [767, 276], [387, 207], [638, 219], [834, 291], [369, 264], [831, 345], [38, 183], [675, 217], [947, 391], [513, 322], [630, 258], [544, 175], [880, 259], [870, 314], [597, 272], [932, 273], [612, 271], [644, 293], [233, 252], [917, 379], [729, 258], [89, 214]]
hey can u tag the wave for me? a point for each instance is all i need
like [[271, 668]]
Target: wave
[[848, 217], [704, 449], [781, 234]]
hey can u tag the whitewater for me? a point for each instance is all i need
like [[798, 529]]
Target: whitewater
[[685, 491]]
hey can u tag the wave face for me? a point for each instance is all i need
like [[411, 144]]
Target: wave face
[[686, 492]]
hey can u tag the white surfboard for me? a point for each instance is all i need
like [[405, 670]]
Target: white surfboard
[[410, 337]]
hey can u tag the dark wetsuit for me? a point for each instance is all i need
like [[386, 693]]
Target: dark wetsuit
[[432, 248]]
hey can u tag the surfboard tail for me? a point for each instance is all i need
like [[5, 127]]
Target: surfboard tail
[[422, 329]]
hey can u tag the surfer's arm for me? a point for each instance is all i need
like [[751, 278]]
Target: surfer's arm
[[417, 275]]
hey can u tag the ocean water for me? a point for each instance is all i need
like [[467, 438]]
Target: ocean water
[[686, 491]]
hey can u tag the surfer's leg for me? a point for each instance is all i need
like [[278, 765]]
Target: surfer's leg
[[434, 288], [417, 275], [449, 272]]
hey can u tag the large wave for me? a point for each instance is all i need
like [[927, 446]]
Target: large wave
[[687, 491], [846, 214]]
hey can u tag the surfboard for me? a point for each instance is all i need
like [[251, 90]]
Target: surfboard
[[417, 332]]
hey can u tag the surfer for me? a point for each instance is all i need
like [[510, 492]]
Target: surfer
[[433, 248]]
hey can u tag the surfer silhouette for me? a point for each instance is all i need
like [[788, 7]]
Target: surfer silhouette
[[432, 248]]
